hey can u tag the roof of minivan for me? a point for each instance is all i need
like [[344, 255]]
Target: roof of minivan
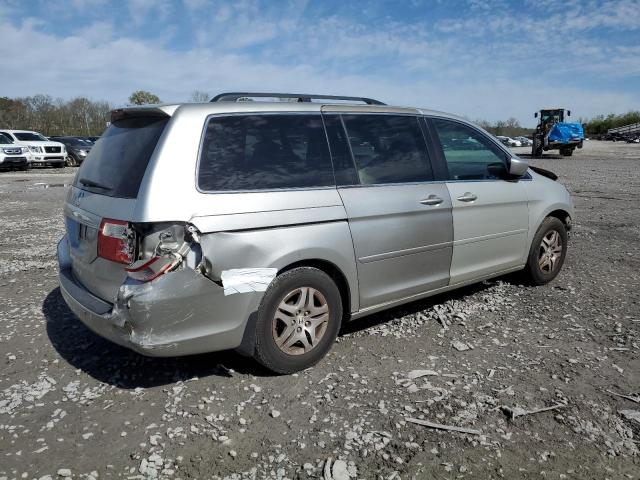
[[241, 107]]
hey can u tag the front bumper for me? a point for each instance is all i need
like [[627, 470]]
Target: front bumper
[[13, 162], [179, 313], [44, 158]]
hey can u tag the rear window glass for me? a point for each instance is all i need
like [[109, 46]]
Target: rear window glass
[[258, 152], [117, 162]]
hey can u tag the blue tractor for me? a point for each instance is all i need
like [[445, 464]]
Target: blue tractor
[[553, 133]]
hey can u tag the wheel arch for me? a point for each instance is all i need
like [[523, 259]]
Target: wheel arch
[[563, 215], [334, 272]]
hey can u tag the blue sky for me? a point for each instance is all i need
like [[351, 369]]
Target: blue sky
[[481, 59]]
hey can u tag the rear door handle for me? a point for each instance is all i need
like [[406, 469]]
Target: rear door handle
[[431, 200], [467, 197]]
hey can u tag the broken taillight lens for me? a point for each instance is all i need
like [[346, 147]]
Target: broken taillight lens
[[147, 270], [115, 241]]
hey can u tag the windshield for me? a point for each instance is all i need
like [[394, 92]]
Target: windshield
[[76, 142], [5, 139], [30, 136], [116, 164]]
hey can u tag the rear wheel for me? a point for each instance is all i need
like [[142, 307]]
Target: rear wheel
[[547, 253], [298, 320]]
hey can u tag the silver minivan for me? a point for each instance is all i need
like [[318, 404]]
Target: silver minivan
[[263, 225]]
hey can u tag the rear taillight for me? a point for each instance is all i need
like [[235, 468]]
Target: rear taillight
[[147, 270], [115, 241]]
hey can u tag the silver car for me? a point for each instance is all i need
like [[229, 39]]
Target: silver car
[[262, 226]]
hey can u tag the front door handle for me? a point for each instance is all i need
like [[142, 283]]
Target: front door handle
[[467, 197], [431, 200]]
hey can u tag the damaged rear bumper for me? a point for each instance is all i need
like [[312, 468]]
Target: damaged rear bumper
[[180, 313]]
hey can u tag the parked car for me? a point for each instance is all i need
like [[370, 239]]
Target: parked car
[[524, 141], [42, 151], [92, 139], [77, 149], [12, 155], [508, 141], [263, 226]]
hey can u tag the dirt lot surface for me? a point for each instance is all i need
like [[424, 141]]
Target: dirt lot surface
[[75, 405]]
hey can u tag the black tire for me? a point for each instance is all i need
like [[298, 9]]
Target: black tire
[[71, 161], [58, 165], [566, 152], [536, 148], [266, 350], [533, 273]]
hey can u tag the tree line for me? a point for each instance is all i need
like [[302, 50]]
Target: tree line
[[42, 113], [509, 128], [82, 116], [600, 124], [79, 116]]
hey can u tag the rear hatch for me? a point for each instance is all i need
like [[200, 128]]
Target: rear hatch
[[105, 189]]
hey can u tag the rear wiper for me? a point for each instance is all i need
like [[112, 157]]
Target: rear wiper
[[90, 183]]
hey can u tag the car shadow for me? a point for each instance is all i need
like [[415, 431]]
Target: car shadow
[[425, 304], [546, 156], [110, 363]]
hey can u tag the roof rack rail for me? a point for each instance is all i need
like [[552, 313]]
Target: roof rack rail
[[301, 97]]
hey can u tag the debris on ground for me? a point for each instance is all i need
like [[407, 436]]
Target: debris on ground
[[74, 403]]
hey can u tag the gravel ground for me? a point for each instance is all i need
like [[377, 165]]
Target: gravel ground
[[482, 358]]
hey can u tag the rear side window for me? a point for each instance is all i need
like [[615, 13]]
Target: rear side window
[[117, 162], [258, 152], [469, 154], [388, 148]]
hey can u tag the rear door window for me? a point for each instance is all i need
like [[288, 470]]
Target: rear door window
[[343, 166], [116, 164], [469, 154], [264, 152], [388, 148]]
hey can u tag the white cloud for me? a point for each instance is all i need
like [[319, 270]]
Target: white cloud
[[489, 68]]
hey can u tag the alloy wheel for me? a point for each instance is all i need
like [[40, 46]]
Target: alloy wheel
[[550, 252], [300, 321]]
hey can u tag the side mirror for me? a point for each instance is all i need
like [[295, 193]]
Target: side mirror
[[568, 113], [535, 115], [518, 167]]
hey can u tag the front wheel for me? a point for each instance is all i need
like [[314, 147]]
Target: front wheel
[[566, 152], [536, 148], [547, 253], [298, 320]]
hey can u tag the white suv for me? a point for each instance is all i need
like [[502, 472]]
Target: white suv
[[12, 154], [42, 151]]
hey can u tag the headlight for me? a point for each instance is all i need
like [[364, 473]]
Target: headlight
[[82, 153], [9, 151], [36, 149]]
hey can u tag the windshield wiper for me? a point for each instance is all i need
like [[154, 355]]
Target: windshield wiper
[[90, 183]]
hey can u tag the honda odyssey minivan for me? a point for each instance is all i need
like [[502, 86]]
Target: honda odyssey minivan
[[262, 226]]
